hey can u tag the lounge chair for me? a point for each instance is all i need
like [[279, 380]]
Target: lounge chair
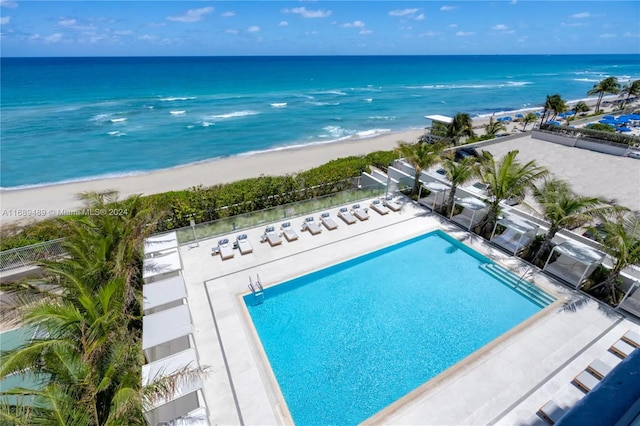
[[392, 205], [599, 368], [379, 207], [346, 216], [271, 236], [632, 337], [328, 222], [311, 226], [622, 349], [586, 381], [359, 212], [551, 412], [243, 244], [288, 232], [226, 251]]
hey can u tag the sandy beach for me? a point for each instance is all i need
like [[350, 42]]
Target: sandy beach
[[46, 201]]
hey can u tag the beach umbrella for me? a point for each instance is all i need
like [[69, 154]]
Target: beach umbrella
[[624, 129], [634, 117], [507, 118], [609, 122], [608, 117], [554, 123], [519, 116], [538, 114]]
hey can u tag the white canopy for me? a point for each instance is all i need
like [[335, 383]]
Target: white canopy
[[165, 326], [579, 252], [159, 243], [170, 365], [436, 186], [195, 418], [521, 225], [163, 291], [439, 118], [578, 263], [471, 203], [162, 264]]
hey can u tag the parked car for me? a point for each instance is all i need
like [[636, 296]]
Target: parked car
[[465, 152]]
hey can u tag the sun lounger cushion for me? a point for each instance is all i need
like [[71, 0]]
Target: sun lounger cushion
[[622, 349], [392, 205], [226, 251], [551, 412], [346, 216], [586, 381], [244, 245], [290, 234], [379, 207], [599, 368], [329, 223], [360, 213], [632, 337]]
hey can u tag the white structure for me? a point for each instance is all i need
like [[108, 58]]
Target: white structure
[[158, 244], [473, 211], [436, 118], [161, 265], [574, 263], [517, 233], [437, 195]]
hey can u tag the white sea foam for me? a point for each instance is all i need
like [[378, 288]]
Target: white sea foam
[[369, 100], [207, 124], [180, 112], [234, 114], [279, 104], [322, 103], [116, 134], [330, 92], [471, 86], [100, 118], [176, 98], [118, 120], [587, 80], [371, 133], [383, 117], [336, 132]]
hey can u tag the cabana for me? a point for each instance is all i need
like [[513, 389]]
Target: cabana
[[163, 294], [437, 120], [573, 263], [166, 332], [434, 199], [473, 211], [160, 265], [517, 234], [160, 243], [631, 300]]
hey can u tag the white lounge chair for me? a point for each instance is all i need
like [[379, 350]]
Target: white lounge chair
[[271, 236], [311, 226], [622, 349], [632, 337], [328, 222], [379, 207], [225, 249], [599, 368], [243, 244], [392, 205], [359, 212], [551, 412], [288, 232], [586, 381], [345, 215]]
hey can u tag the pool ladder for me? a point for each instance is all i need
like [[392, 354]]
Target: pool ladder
[[256, 289]]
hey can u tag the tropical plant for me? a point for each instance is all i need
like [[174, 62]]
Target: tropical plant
[[493, 127], [620, 239], [461, 126], [505, 178], [553, 105], [608, 85], [561, 208], [601, 127], [458, 173], [630, 89], [88, 310], [421, 156], [529, 118], [580, 108]]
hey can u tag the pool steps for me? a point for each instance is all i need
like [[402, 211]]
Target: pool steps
[[525, 288], [257, 290]]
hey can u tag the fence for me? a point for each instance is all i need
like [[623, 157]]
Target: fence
[[27, 256]]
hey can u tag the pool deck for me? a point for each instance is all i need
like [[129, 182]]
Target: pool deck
[[504, 383]]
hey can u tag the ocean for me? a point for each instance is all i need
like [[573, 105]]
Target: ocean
[[70, 119]]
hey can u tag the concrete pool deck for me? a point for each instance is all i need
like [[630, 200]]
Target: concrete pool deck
[[505, 382]]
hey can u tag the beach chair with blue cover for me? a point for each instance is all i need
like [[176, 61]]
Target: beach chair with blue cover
[[243, 244], [328, 222], [345, 215], [288, 232], [379, 207], [271, 236], [310, 225], [359, 212], [225, 249]]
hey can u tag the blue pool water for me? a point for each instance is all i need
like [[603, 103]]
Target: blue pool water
[[346, 341]]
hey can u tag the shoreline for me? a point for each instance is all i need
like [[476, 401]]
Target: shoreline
[[42, 202]]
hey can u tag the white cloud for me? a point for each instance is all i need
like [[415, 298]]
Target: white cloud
[[253, 29], [574, 24], [407, 28], [308, 13], [148, 37], [465, 33], [420, 17], [447, 8], [513, 2], [581, 15], [53, 38], [123, 32], [522, 39], [35, 37], [9, 4], [630, 34], [402, 12], [453, 25], [67, 22], [5, 20], [429, 34], [366, 32], [192, 15], [283, 23], [354, 24], [500, 27], [233, 32], [607, 35], [228, 14], [314, 32]]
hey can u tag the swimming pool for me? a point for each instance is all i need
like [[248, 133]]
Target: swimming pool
[[346, 341]]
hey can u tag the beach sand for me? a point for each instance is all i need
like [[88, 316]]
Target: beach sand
[[23, 205]]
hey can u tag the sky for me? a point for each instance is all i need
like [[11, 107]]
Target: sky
[[231, 28]]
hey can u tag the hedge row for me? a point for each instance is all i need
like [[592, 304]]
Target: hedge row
[[605, 137], [210, 203]]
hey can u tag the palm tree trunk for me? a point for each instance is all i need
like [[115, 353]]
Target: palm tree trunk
[[600, 96], [449, 204], [545, 244], [416, 181]]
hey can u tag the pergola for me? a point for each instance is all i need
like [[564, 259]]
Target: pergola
[[433, 200], [575, 262], [166, 292], [160, 243], [161, 264], [473, 210], [517, 235]]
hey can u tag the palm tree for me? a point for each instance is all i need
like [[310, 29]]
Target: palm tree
[[621, 240], [461, 126], [579, 108], [631, 89], [529, 118], [505, 178], [421, 156], [458, 172], [608, 85], [563, 209], [554, 104], [493, 127]]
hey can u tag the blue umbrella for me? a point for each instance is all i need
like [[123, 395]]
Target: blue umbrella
[[633, 116], [507, 118], [608, 117], [610, 122], [538, 114], [624, 129], [554, 123], [519, 116]]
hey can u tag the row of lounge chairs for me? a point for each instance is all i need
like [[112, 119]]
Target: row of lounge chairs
[[225, 248], [589, 378]]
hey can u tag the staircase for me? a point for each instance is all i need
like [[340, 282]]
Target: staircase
[[257, 290], [518, 284]]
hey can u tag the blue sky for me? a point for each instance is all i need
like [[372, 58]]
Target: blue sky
[[210, 28]]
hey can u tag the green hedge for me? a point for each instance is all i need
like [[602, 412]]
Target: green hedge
[[204, 204], [605, 137]]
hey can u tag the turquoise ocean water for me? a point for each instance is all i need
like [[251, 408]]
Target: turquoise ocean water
[[66, 119]]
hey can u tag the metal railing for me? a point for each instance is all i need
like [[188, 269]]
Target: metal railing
[[28, 255]]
